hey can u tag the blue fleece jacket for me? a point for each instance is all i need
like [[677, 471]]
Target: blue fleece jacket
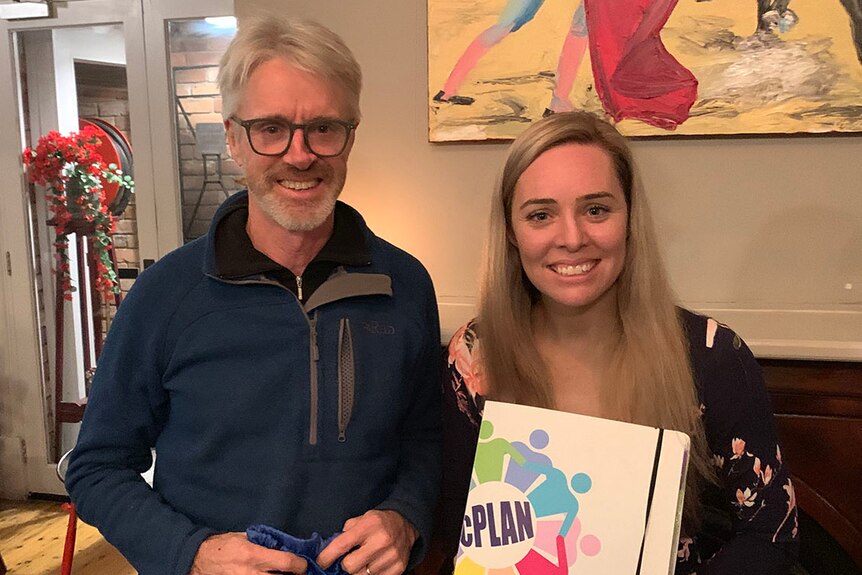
[[260, 409]]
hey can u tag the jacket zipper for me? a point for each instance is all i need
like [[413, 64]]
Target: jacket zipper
[[346, 390], [346, 378], [315, 355]]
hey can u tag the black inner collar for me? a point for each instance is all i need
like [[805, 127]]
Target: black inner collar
[[237, 258]]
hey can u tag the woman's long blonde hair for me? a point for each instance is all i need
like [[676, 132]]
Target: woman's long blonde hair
[[650, 370]]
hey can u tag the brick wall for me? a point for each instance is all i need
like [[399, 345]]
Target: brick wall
[[111, 104]]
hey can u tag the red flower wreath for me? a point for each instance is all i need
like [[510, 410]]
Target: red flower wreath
[[73, 172]]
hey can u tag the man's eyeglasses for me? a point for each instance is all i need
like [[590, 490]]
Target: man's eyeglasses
[[324, 138]]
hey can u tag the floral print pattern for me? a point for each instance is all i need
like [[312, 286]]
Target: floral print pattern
[[758, 478], [762, 497], [465, 371]]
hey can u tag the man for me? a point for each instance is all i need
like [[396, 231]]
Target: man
[[285, 366]]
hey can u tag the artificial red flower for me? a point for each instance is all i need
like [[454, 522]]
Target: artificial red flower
[[74, 173]]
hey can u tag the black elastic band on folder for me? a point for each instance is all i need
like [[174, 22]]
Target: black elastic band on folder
[[651, 493]]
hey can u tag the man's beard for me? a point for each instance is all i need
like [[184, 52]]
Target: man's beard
[[295, 215]]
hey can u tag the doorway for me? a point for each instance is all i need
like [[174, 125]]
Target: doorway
[[119, 64]]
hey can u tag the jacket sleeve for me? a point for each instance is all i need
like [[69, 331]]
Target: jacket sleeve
[[754, 479], [126, 410], [417, 483]]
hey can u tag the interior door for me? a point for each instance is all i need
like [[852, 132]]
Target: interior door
[[110, 60]]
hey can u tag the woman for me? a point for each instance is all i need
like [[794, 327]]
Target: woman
[[576, 314]]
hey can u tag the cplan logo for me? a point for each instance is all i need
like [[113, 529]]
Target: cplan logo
[[522, 511]]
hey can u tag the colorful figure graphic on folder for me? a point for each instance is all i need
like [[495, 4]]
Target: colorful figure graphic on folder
[[490, 454], [521, 477], [553, 496], [634, 74], [534, 563]]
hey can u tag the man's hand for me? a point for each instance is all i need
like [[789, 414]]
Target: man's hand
[[380, 542], [234, 554]]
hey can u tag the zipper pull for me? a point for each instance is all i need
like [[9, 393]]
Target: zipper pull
[[299, 287]]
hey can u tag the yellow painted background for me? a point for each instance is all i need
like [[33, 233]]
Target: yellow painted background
[[512, 84]]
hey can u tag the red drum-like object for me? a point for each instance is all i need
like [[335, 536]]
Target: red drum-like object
[[114, 149]]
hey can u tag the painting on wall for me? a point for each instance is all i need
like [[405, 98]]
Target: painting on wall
[[653, 67]]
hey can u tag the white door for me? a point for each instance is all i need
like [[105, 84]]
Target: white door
[[125, 49]]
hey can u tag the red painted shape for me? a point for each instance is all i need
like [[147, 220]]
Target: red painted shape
[[635, 76]]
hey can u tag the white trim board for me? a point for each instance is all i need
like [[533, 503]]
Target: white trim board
[[770, 333], [795, 334]]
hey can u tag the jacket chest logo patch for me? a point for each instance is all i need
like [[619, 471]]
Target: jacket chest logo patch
[[378, 328]]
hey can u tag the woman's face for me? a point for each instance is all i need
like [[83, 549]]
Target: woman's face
[[569, 223]]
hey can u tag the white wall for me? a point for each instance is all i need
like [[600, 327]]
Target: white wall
[[763, 233], [104, 43]]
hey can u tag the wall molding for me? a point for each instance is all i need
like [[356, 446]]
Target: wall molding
[[794, 334], [833, 335]]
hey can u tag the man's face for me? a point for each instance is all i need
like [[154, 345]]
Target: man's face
[[296, 190]]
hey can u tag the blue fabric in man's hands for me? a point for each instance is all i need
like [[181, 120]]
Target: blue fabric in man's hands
[[308, 549]]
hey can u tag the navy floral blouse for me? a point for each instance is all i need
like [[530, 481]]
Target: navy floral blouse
[[750, 522]]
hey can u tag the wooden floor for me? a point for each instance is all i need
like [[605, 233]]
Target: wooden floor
[[31, 542]]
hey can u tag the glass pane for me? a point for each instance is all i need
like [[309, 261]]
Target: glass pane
[[207, 173], [72, 78]]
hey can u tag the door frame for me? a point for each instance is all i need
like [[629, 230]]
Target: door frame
[[21, 351], [24, 466]]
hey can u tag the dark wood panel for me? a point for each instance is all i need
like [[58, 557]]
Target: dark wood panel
[[803, 405], [818, 407], [824, 458], [814, 378], [846, 534]]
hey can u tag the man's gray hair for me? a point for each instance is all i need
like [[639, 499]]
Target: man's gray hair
[[306, 44]]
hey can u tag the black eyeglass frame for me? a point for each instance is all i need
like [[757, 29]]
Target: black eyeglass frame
[[247, 124]]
